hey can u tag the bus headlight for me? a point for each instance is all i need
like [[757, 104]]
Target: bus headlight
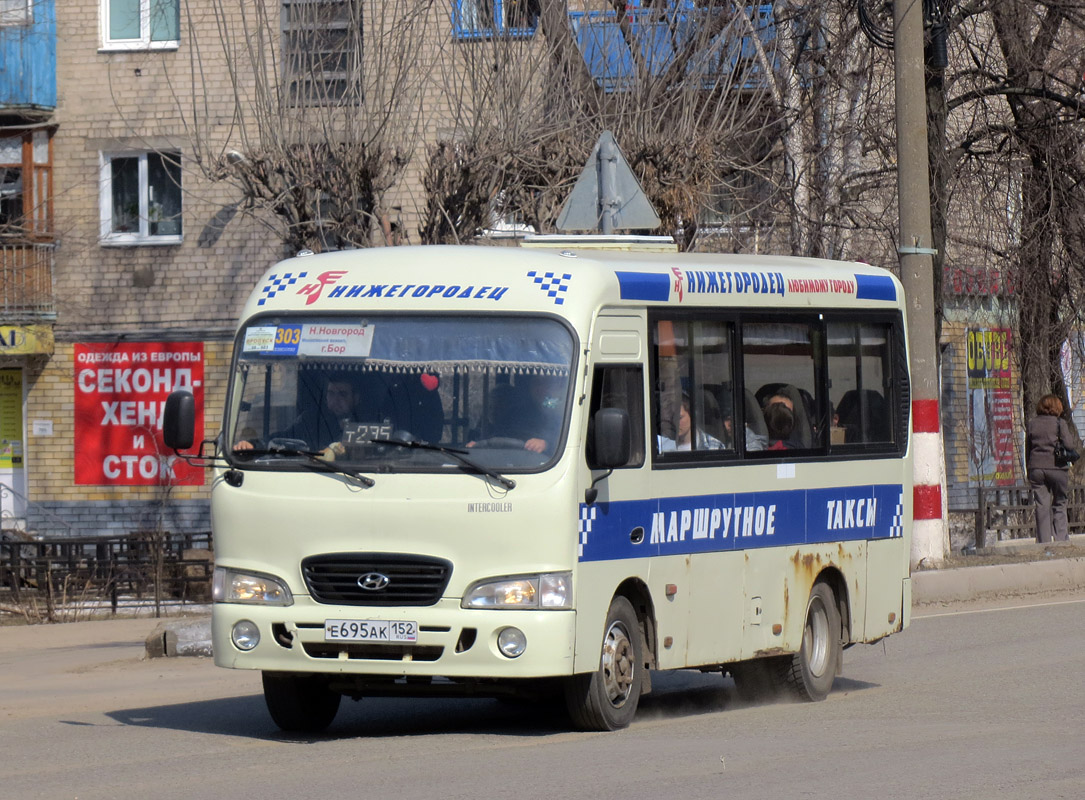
[[549, 590], [254, 588]]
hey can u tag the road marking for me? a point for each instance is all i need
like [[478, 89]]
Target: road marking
[[1000, 608]]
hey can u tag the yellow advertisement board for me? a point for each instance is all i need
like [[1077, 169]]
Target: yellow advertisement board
[[11, 418], [26, 340]]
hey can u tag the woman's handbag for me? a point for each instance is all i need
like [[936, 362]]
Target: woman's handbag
[[1065, 456]]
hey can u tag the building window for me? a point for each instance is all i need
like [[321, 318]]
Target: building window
[[141, 24], [141, 198], [15, 12], [26, 182], [480, 19], [741, 201], [322, 51]]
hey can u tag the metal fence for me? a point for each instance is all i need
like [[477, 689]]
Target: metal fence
[[26, 279], [57, 572], [1007, 512]]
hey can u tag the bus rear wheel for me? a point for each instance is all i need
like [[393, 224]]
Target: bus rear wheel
[[606, 699], [809, 674], [300, 703]]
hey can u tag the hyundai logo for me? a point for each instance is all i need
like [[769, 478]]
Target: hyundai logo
[[373, 582]]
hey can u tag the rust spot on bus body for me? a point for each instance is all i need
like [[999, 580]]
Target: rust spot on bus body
[[771, 651]]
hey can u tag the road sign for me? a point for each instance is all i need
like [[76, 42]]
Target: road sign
[[607, 195]]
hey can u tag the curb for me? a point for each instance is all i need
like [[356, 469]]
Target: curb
[[180, 638], [978, 583]]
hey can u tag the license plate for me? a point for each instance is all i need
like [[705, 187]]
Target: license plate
[[370, 630]]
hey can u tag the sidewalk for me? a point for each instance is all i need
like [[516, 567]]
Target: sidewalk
[[1008, 569]]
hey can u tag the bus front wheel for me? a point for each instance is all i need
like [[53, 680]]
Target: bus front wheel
[[809, 674], [606, 699], [300, 703]]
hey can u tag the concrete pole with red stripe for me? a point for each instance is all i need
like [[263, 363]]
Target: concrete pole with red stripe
[[930, 536]]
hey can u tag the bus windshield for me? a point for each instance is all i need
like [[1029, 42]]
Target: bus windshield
[[396, 393]]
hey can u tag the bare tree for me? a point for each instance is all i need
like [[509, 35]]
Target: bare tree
[[774, 118], [1014, 136], [670, 82], [326, 103]]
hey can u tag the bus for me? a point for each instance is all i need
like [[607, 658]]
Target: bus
[[495, 471]]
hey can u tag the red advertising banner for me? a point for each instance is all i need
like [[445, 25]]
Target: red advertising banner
[[120, 394]]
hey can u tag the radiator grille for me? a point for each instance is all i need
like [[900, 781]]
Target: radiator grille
[[338, 578]]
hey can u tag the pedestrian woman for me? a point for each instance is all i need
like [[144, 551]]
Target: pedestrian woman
[[1048, 481]]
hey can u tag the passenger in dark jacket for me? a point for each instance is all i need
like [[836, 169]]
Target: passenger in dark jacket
[[1048, 481]]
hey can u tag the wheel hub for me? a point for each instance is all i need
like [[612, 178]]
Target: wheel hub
[[618, 665]]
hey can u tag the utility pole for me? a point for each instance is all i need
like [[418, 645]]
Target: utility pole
[[930, 538]]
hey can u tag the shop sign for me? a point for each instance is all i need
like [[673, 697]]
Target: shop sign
[[120, 395], [26, 340]]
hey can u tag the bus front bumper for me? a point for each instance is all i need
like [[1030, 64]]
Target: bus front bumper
[[451, 642]]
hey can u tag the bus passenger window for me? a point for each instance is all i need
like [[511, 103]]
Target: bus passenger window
[[781, 359], [693, 400], [861, 378]]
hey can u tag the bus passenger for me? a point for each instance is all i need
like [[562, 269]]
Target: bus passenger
[[780, 421], [684, 436]]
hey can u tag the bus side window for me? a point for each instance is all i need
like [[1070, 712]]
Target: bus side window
[[782, 360], [860, 374], [620, 387]]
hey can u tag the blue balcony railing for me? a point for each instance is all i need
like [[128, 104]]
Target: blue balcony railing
[[661, 35], [28, 58]]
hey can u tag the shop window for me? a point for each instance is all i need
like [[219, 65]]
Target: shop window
[[141, 198], [141, 24]]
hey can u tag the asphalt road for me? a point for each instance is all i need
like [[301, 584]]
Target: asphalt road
[[973, 702]]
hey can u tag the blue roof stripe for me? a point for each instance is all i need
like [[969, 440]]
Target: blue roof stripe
[[875, 287], [644, 286]]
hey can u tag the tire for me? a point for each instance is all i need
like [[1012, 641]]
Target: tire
[[606, 700], [809, 674], [300, 703]]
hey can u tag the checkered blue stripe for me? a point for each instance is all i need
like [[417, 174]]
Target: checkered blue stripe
[[896, 525], [587, 517], [553, 284], [278, 283]]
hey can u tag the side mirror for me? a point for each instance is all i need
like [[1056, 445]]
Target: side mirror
[[179, 420], [612, 439]]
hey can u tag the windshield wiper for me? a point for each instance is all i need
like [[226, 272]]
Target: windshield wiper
[[315, 462], [459, 455]]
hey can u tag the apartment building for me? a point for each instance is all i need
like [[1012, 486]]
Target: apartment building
[[123, 266], [127, 244]]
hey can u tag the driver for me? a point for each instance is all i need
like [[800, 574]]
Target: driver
[[321, 427], [538, 420]]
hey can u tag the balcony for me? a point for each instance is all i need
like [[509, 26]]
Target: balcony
[[28, 72], [26, 282], [662, 35]]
